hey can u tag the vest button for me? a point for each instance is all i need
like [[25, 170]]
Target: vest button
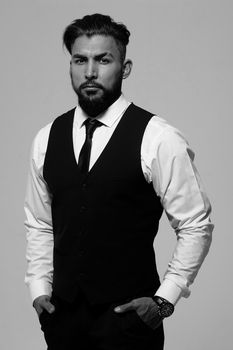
[[84, 185], [82, 232], [82, 209], [81, 253]]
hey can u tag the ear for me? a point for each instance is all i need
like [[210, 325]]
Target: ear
[[127, 66], [70, 68]]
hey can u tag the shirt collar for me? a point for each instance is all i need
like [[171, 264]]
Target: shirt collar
[[109, 117]]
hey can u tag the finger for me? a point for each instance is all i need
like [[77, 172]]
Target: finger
[[125, 307], [48, 306]]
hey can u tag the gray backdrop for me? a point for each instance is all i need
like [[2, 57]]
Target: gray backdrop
[[182, 53]]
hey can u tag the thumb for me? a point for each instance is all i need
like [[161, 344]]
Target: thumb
[[48, 306], [125, 307]]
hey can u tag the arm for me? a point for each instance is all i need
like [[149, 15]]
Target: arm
[[177, 182], [38, 223], [168, 163]]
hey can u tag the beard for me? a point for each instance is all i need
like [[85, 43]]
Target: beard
[[96, 102]]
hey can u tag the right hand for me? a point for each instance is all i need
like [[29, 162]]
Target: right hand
[[43, 303]]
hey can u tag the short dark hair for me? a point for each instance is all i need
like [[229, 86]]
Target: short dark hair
[[97, 24]]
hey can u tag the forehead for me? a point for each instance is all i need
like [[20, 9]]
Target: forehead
[[95, 45]]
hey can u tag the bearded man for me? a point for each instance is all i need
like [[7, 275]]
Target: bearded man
[[100, 177]]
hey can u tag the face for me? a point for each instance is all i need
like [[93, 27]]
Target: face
[[96, 71]]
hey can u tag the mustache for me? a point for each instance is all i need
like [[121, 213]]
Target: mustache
[[91, 84]]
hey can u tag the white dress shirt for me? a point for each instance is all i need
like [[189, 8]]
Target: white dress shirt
[[167, 162]]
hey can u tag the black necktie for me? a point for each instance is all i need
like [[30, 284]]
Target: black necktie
[[84, 156]]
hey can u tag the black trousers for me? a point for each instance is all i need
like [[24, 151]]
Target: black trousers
[[84, 327]]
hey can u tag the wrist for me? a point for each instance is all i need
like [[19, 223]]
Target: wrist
[[38, 288], [165, 308], [170, 291]]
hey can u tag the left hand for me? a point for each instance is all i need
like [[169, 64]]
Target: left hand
[[146, 309]]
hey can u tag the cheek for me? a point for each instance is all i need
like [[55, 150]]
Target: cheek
[[111, 77], [76, 72], [76, 77]]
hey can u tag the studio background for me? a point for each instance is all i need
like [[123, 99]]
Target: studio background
[[182, 54]]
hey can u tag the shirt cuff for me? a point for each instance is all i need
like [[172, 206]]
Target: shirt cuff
[[39, 287], [169, 291]]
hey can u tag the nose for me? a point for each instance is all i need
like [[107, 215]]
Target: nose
[[91, 70]]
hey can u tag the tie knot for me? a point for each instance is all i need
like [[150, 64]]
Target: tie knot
[[91, 124]]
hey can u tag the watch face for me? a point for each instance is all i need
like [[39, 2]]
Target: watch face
[[166, 309]]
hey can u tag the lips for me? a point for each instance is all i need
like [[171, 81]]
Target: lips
[[91, 86]]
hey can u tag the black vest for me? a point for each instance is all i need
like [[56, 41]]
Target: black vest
[[104, 223]]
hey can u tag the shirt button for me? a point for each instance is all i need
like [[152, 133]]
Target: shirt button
[[84, 185]]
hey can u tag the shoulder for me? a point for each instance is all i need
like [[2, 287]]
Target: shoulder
[[40, 141], [41, 138], [161, 137], [140, 111], [68, 115], [158, 128], [39, 145]]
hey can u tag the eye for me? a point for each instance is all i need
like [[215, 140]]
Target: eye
[[79, 60], [104, 60]]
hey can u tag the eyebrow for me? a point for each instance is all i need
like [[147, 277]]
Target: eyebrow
[[77, 55]]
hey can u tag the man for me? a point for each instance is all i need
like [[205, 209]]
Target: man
[[100, 177]]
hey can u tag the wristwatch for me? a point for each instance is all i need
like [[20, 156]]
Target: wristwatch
[[165, 308]]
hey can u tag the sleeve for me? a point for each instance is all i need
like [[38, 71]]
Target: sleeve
[[39, 252], [177, 182]]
